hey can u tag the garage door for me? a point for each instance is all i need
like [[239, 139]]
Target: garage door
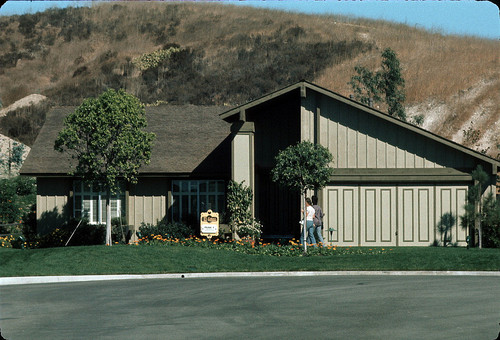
[[391, 215]]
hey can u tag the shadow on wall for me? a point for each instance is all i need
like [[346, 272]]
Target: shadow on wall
[[50, 220], [445, 226]]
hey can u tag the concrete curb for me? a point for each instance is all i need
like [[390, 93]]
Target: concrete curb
[[4, 281]]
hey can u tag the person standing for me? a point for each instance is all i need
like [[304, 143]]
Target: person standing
[[309, 224], [318, 220]]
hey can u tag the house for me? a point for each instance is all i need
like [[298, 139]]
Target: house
[[393, 181], [189, 169]]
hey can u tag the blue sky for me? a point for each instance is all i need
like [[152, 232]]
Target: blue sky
[[465, 17]]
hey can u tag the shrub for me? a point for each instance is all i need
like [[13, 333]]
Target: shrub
[[17, 194], [491, 222], [85, 235], [24, 123], [166, 229], [239, 200]]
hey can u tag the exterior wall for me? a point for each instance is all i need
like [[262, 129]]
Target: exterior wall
[[391, 215], [277, 126], [359, 140], [53, 203], [393, 185], [243, 158], [147, 201]]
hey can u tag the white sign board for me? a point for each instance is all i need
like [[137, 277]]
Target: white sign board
[[209, 223]]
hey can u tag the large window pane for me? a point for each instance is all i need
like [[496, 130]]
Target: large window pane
[[91, 204], [203, 187]]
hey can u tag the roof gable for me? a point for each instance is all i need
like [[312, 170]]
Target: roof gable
[[304, 89]]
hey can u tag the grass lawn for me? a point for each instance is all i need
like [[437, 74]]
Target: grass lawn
[[129, 259]]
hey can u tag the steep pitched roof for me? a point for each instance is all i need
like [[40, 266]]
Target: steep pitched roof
[[189, 139], [303, 87]]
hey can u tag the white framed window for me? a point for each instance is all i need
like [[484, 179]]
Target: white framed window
[[90, 202], [191, 197]]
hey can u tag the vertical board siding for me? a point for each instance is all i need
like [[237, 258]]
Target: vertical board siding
[[147, 201], [358, 139], [52, 203]]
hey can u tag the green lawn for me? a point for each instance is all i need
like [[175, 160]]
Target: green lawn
[[131, 259]]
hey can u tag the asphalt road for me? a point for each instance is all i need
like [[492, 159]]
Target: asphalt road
[[324, 307]]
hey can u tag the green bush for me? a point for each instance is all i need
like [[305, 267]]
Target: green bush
[[17, 194], [85, 235], [166, 229], [491, 222]]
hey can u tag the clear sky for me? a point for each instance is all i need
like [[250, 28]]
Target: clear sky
[[464, 17]]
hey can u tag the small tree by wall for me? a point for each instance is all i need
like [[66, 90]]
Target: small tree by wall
[[302, 167], [239, 202], [105, 136]]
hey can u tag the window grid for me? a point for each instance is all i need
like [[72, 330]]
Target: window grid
[[90, 202], [191, 197]]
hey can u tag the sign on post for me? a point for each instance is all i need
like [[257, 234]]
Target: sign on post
[[209, 224]]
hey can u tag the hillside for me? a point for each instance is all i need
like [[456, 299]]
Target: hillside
[[216, 54]]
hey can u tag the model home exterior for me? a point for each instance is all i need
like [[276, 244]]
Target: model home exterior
[[392, 182]]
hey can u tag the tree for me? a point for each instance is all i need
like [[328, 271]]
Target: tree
[[365, 86], [14, 157], [472, 218], [302, 167], [387, 83], [239, 201], [105, 136]]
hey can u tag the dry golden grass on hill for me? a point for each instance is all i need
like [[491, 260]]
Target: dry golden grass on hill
[[453, 81]]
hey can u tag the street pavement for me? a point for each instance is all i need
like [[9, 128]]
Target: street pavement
[[256, 307]]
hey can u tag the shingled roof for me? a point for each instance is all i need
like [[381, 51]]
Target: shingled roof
[[189, 140]]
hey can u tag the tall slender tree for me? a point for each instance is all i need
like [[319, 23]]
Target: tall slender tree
[[386, 85], [302, 167], [105, 136]]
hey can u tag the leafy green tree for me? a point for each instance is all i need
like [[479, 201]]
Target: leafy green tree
[[491, 221], [105, 136], [365, 85], [392, 84], [302, 167], [17, 194], [384, 85]]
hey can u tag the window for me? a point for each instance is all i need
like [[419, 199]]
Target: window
[[191, 197], [90, 202]]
